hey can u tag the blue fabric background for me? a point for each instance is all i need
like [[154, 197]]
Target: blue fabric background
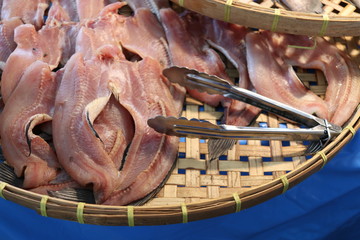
[[324, 206]]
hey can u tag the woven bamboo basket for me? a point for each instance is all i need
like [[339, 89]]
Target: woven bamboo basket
[[250, 173], [339, 17]]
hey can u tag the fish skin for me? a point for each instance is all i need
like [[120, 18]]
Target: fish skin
[[343, 92], [311, 6], [72, 193], [28, 153], [273, 77]]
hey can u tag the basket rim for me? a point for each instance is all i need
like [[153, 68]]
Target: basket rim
[[292, 22], [180, 213]]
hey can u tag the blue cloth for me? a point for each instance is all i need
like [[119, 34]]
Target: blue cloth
[[324, 206]]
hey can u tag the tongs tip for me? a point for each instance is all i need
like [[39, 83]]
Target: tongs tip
[[176, 74], [175, 126], [193, 79], [160, 124]]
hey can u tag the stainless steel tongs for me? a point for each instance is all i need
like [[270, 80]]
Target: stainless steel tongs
[[318, 130]]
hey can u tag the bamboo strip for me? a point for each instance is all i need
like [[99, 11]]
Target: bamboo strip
[[343, 21]]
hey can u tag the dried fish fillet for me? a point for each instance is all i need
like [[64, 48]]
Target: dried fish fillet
[[31, 12], [276, 79], [82, 94], [192, 51], [31, 104], [342, 74], [150, 155], [44, 45]]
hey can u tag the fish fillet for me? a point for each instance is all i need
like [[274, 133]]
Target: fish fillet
[[229, 39], [276, 79], [58, 12], [88, 9], [192, 52], [44, 45], [151, 154], [342, 74], [68, 9], [152, 42], [31, 12], [31, 104], [82, 95], [123, 33]]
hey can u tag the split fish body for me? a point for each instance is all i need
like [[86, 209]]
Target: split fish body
[[82, 95], [150, 155]]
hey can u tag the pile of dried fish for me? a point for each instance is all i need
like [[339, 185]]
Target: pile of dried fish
[[80, 84], [89, 87]]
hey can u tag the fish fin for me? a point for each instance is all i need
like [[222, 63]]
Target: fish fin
[[8, 175], [165, 46], [74, 194], [218, 147]]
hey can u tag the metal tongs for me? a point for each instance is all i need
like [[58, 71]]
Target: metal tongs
[[318, 131]]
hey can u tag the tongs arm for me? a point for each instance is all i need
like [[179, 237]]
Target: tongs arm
[[206, 130]]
